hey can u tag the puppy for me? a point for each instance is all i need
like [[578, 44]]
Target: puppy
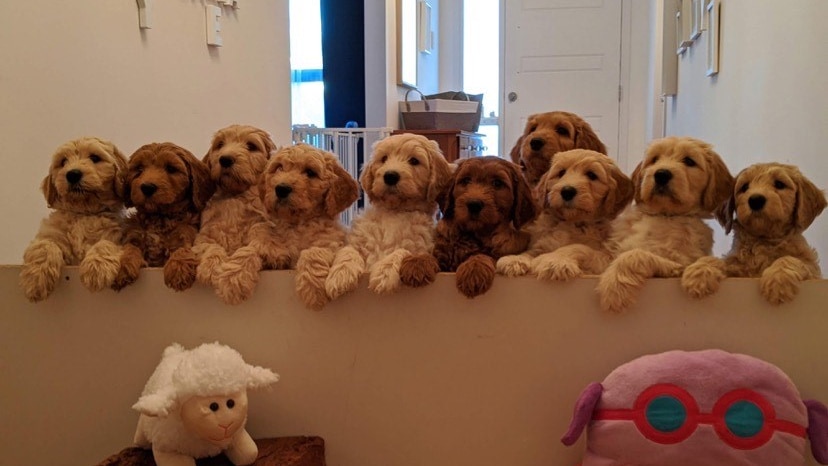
[[236, 159], [402, 180], [680, 182], [545, 135], [84, 187], [774, 204], [485, 206], [303, 189], [581, 194], [168, 187]]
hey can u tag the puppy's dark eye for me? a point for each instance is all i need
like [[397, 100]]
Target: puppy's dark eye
[[654, 160], [310, 173], [231, 403], [252, 147], [533, 128], [214, 406], [219, 144], [562, 130], [63, 163], [465, 181], [413, 161], [562, 173], [170, 169], [779, 185], [384, 159], [139, 169], [498, 183], [689, 162], [277, 168], [95, 158], [744, 188], [592, 176]]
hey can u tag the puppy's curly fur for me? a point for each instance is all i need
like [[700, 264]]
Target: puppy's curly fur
[[545, 135], [84, 187], [581, 194], [303, 189], [236, 159], [169, 188], [484, 208], [773, 204], [402, 180], [680, 182]]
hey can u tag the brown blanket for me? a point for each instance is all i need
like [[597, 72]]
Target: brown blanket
[[283, 451]]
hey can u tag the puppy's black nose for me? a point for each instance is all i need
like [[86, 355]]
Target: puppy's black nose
[[663, 177], [568, 193], [756, 202], [148, 189], [536, 143], [283, 191], [391, 178], [226, 161], [73, 176], [474, 206]]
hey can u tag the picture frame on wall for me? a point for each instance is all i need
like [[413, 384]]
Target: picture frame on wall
[[425, 36], [684, 25], [712, 12], [698, 15]]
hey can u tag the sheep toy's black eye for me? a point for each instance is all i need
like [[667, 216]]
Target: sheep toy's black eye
[[231, 403], [779, 185], [214, 406], [592, 176]]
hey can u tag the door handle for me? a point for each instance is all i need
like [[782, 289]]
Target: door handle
[[512, 96]]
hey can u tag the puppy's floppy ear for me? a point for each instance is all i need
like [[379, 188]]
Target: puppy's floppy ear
[[366, 176], [724, 214], [49, 190], [719, 182], [343, 190], [621, 191], [440, 174], [585, 138], [268, 145], [540, 190], [514, 154], [201, 185], [810, 202], [636, 181], [524, 209], [119, 181], [445, 199]]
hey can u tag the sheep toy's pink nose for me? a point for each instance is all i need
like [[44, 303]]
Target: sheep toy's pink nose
[[225, 427]]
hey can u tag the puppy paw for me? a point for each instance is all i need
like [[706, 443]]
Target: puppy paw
[[42, 262], [384, 277], [344, 275], [513, 266], [476, 275], [126, 276], [560, 269], [209, 267], [616, 296], [701, 279], [237, 280], [98, 272], [180, 269], [778, 286], [311, 271], [276, 261], [419, 270]]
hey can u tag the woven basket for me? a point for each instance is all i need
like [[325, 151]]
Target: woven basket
[[436, 113]]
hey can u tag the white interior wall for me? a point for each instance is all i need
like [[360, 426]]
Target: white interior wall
[[84, 68], [769, 100]]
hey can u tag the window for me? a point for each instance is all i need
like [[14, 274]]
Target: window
[[481, 67], [306, 85]]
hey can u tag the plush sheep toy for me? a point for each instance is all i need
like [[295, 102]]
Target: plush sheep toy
[[709, 408], [195, 405]]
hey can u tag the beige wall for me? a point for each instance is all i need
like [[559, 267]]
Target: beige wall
[[84, 68], [769, 100], [422, 377]]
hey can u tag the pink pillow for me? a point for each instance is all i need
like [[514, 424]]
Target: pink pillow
[[709, 408]]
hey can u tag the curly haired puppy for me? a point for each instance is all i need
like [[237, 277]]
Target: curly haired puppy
[[402, 180], [680, 182], [545, 135], [236, 159], [84, 187], [581, 194], [303, 189], [774, 204], [168, 187], [484, 208]]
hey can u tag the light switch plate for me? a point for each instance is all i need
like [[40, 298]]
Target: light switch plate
[[213, 15], [144, 14]]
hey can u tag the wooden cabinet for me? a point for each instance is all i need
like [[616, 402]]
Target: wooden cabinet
[[455, 144]]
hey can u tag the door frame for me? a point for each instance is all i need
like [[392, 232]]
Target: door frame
[[624, 82]]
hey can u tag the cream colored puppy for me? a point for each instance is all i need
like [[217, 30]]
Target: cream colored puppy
[[236, 159], [580, 195], [402, 180], [84, 186], [680, 182], [773, 204]]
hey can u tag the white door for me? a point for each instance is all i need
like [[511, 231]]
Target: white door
[[562, 55]]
